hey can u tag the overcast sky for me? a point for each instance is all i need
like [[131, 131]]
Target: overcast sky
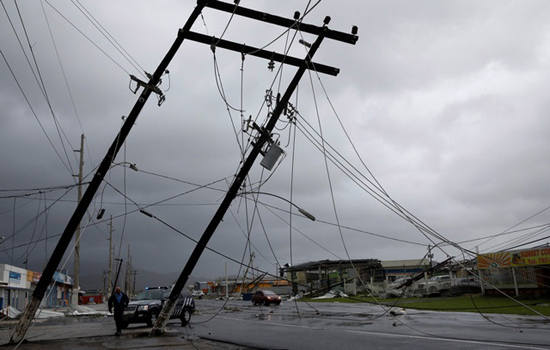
[[442, 104]]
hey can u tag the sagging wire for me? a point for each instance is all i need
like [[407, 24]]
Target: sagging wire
[[33, 232], [461, 248], [281, 65], [470, 252], [293, 163], [269, 208], [243, 231], [39, 191], [221, 90], [255, 200], [19, 207], [373, 234], [331, 190], [295, 25], [278, 73], [218, 79], [44, 229], [217, 252], [407, 215], [389, 203], [399, 208], [502, 233], [242, 109], [173, 228], [240, 263], [418, 224], [483, 315], [125, 205], [219, 84], [229, 107], [521, 241], [43, 212]]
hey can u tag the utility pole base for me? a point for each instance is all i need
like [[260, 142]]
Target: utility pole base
[[156, 332], [25, 321], [163, 317]]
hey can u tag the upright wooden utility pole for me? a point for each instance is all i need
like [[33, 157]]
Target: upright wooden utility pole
[[127, 281], [134, 274], [76, 280], [111, 252]]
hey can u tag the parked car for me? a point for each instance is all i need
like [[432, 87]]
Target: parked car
[[265, 297], [470, 281], [397, 287], [435, 285], [399, 282], [470, 285], [146, 306], [198, 294]]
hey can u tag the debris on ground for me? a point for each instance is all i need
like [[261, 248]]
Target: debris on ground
[[395, 311], [80, 310], [10, 312], [333, 294], [48, 314]]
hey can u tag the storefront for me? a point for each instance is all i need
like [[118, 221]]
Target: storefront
[[60, 291], [17, 285], [395, 269], [517, 272]]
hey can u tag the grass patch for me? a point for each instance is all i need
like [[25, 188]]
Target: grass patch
[[465, 303]]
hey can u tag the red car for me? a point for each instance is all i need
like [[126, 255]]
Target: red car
[[265, 297]]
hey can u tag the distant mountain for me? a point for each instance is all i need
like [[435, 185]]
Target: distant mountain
[[144, 278]]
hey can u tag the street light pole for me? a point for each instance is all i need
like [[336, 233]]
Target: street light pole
[[303, 211]]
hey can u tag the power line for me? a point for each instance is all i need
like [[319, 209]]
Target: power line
[[87, 38], [65, 79], [109, 37], [489, 238], [58, 127], [38, 191], [34, 113]]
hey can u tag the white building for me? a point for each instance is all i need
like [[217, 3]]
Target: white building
[[17, 285], [15, 288]]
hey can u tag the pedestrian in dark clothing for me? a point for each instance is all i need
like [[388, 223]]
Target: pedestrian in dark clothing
[[119, 301]]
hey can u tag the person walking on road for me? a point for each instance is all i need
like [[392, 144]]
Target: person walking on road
[[119, 301]]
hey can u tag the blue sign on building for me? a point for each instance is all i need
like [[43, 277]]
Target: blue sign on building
[[15, 277]]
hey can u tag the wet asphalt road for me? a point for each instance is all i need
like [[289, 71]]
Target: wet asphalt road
[[238, 325], [360, 326]]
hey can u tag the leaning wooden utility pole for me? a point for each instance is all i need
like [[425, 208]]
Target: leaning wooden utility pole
[[263, 138], [148, 87]]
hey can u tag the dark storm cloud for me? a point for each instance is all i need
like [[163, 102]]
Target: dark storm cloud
[[444, 102]]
